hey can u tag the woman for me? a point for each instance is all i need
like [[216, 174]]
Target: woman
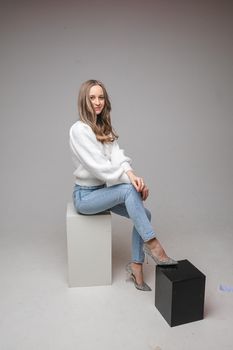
[[105, 179]]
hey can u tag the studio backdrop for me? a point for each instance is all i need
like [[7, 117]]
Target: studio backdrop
[[168, 67]]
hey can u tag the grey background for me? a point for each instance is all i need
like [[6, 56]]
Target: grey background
[[168, 67]]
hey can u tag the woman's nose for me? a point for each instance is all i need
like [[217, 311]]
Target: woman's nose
[[97, 101]]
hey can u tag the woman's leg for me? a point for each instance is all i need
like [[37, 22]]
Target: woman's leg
[[93, 202], [137, 252], [89, 201]]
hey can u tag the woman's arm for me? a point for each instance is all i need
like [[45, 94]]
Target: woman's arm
[[119, 157], [90, 154], [139, 184]]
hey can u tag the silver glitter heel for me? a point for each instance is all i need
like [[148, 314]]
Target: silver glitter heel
[[167, 262], [143, 287]]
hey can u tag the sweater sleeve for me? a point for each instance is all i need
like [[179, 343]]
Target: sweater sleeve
[[90, 154], [118, 157]]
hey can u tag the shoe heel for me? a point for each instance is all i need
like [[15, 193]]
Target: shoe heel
[[128, 277]]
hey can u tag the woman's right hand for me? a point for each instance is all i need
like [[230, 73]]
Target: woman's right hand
[[136, 181]]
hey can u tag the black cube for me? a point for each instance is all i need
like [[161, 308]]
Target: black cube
[[180, 293]]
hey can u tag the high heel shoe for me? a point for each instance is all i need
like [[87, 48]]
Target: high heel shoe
[[167, 262], [143, 287]]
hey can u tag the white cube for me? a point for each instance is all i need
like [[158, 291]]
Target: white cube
[[89, 247]]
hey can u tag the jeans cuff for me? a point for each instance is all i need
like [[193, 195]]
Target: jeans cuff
[[137, 262], [148, 239]]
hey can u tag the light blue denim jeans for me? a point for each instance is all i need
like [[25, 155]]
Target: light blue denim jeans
[[122, 199]]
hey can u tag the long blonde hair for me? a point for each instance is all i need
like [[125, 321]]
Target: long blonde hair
[[100, 124]]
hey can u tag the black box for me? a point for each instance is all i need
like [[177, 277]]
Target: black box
[[180, 293]]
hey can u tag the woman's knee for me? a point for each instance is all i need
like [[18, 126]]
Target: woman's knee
[[126, 186]]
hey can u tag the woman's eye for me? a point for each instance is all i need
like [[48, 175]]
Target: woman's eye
[[92, 98]]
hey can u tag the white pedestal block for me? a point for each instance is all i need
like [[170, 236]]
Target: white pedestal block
[[89, 245]]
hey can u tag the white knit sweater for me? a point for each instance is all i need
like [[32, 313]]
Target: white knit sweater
[[96, 163]]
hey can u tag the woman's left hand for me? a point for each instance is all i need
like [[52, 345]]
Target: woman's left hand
[[145, 193], [136, 181], [139, 184]]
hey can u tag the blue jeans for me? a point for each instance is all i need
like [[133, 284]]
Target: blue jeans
[[122, 199]]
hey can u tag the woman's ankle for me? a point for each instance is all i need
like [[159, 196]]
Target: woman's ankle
[[136, 266], [156, 247], [137, 271], [152, 243]]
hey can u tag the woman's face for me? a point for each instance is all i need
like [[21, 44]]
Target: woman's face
[[96, 96]]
